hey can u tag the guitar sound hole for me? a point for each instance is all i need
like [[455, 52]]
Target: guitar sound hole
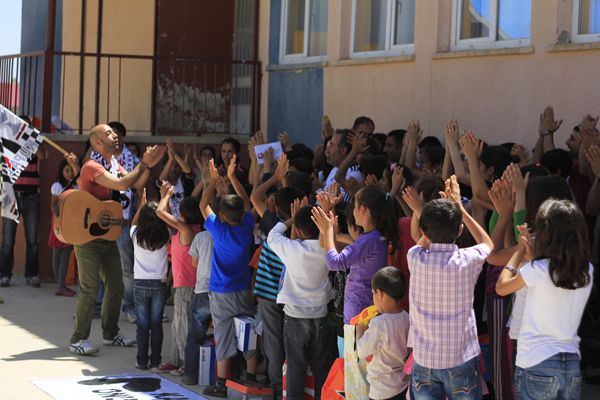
[[104, 220]]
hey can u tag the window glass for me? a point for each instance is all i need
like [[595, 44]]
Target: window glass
[[317, 37], [404, 21], [589, 16], [475, 19], [295, 27], [514, 19], [370, 25]]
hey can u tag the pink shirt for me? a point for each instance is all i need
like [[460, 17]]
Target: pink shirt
[[443, 332], [184, 272]]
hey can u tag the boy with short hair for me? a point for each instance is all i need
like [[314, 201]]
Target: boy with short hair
[[305, 293], [232, 233], [270, 269], [385, 337], [443, 332]]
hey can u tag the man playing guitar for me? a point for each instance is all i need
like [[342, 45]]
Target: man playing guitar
[[99, 259]]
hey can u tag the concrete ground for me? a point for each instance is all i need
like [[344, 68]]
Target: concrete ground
[[35, 326]]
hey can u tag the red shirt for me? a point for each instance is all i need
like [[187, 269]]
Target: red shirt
[[404, 244], [90, 171]]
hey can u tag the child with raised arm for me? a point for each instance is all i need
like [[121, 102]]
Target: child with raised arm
[[187, 225], [443, 332], [306, 291], [150, 236], [232, 232], [558, 277], [385, 337]]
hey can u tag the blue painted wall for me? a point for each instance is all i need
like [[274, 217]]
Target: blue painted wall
[[295, 102], [33, 38]]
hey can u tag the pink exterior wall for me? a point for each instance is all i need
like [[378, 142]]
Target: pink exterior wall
[[497, 93]]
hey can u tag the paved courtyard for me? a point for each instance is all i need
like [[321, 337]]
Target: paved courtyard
[[35, 326]]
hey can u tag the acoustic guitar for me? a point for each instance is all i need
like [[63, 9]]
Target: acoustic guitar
[[79, 218]]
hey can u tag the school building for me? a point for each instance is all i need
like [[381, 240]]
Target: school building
[[198, 71]]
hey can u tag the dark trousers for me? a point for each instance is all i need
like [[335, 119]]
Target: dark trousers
[[307, 342], [199, 320], [272, 319], [29, 208], [150, 297]]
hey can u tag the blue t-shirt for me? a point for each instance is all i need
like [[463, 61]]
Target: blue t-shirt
[[232, 251]]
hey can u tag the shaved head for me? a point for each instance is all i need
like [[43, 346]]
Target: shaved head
[[103, 139]]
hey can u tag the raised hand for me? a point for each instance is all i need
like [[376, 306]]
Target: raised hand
[[589, 136], [413, 199], [170, 148], [165, 189], [328, 202], [371, 180], [397, 180], [502, 197], [414, 132], [469, 144], [232, 167], [296, 205], [221, 185], [452, 131], [282, 167], [324, 221], [269, 159], [521, 152], [589, 122], [527, 241], [326, 128], [452, 190], [187, 150], [284, 138], [547, 122], [213, 172], [144, 199], [152, 155], [593, 157], [515, 178], [353, 186]]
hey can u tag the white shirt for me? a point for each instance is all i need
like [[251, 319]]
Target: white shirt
[[148, 264], [385, 340], [551, 316], [202, 247], [306, 277], [57, 188], [516, 316]]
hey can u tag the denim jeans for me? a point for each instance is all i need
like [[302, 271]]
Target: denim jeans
[[150, 296], [29, 208], [199, 320], [125, 246], [557, 377], [461, 382]]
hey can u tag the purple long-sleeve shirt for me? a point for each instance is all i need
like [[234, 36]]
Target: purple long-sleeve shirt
[[361, 259]]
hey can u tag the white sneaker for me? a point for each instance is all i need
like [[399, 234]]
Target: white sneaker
[[119, 340], [83, 347]]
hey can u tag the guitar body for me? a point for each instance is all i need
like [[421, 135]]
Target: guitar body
[[81, 218]]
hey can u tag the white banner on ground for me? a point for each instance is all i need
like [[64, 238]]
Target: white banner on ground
[[18, 143], [128, 387]]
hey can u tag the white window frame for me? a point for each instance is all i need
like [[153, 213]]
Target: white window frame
[[299, 57], [391, 49], [576, 37], [490, 42]]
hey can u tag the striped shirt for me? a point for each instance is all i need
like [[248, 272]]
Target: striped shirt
[[353, 172], [270, 267], [29, 180], [443, 332]]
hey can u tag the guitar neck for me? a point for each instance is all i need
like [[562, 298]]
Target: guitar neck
[[119, 222]]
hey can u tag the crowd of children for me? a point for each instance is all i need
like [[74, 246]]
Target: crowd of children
[[451, 242]]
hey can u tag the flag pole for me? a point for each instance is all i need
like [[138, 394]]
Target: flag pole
[[56, 147]]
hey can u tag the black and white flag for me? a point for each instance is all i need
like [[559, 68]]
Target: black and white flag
[[18, 144]]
